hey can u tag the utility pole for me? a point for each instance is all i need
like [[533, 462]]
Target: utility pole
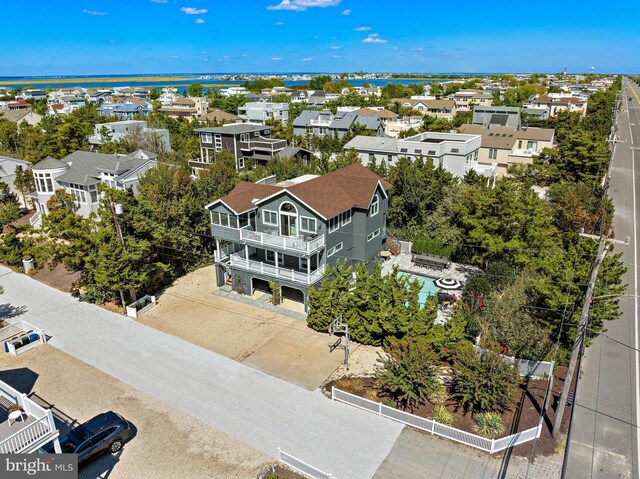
[[603, 242], [114, 210], [582, 328]]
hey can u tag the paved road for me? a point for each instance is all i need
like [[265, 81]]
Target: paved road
[[260, 410], [604, 438]]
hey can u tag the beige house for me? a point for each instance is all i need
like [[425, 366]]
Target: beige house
[[18, 116], [557, 104], [439, 108], [191, 107], [466, 99], [507, 146]]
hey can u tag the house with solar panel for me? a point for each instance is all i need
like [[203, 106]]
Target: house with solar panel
[[289, 232], [81, 172]]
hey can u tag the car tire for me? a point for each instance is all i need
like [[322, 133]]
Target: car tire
[[116, 446]]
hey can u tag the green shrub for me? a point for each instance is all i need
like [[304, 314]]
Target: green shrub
[[489, 424], [441, 415], [276, 295], [410, 371], [433, 246], [389, 403], [484, 381]]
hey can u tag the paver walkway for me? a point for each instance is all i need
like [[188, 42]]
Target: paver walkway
[[260, 410], [420, 455]]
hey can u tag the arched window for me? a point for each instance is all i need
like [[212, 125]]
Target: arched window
[[288, 220], [375, 206]]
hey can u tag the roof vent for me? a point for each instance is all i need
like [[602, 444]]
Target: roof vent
[[255, 200]]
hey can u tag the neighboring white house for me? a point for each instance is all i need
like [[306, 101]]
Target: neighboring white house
[[233, 90], [260, 112], [457, 153], [138, 129], [81, 172]]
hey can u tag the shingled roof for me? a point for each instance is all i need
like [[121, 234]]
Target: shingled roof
[[328, 195]]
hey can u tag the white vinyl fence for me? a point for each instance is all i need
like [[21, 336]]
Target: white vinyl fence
[[302, 467], [528, 367], [473, 440]]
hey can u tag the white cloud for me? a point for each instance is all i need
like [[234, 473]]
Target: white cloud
[[347, 12], [199, 20], [302, 5], [362, 29], [308, 59], [419, 49], [193, 11], [205, 59], [93, 12], [276, 59], [172, 56], [279, 23], [374, 38], [159, 1], [335, 47], [336, 56]]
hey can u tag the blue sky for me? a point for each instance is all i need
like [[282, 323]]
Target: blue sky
[[210, 36]]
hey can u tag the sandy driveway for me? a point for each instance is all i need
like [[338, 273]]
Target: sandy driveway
[[273, 343], [168, 443]]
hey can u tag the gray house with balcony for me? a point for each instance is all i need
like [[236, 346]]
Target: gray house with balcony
[[81, 172], [290, 232], [324, 122], [250, 144]]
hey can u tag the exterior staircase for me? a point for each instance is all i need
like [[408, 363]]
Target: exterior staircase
[[393, 245], [36, 220]]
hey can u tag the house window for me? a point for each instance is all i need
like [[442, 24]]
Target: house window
[[271, 257], [240, 163], [532, 145], [493, 153], [373, 234], [44, 182], [334, 250], [270, 217], [206, 138], [372, 157], [345, 218], [78, 192], [375, 206], [334, 223], [308, 225]]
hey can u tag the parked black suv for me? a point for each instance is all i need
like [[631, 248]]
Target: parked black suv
[[105, 432]]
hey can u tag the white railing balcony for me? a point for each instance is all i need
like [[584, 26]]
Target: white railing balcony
[[483, 169], [526, 152], [320, 122], [28, 434], [276, 271], [298, 245]]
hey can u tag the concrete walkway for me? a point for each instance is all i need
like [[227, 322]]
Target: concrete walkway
[[258, 409]]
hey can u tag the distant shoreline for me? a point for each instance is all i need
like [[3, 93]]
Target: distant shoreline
[[50, 81]]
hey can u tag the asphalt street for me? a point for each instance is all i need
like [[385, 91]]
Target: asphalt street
[[262, 411], [604, 439]]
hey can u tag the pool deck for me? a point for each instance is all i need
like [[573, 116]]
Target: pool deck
[[456, 271]]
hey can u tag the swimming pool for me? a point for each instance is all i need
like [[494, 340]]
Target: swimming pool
[[428, 287]]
